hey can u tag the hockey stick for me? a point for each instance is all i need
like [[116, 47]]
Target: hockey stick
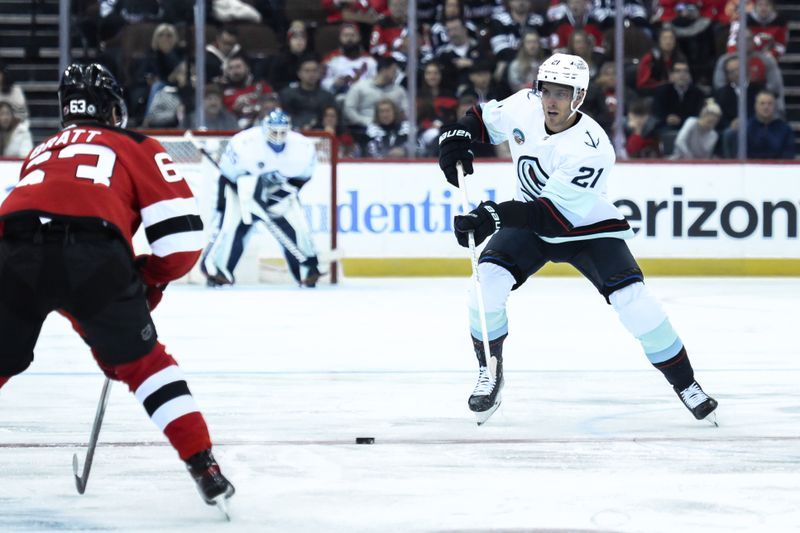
[[271, 226], [465, 206], [80, 481]]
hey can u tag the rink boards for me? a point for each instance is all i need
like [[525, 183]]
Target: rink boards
[[395, 218]]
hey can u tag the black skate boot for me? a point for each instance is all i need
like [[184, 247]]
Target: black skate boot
[[698, 402], [486, 397], [213, 486]]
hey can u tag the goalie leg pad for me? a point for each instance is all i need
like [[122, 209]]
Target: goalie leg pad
[[227, 246], [496, 285]]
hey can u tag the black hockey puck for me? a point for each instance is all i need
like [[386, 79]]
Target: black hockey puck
[[365, 440]]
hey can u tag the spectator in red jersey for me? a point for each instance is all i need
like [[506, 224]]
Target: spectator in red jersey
[[575, 15], [770, 29], [389, 35], [347, 64], [363, 13], [642, 135], [241, 93], [655, 65], [15, 137]]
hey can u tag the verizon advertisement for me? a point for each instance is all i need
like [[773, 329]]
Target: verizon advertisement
[[405, 210]]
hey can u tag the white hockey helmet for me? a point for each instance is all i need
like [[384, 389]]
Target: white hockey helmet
[[276, 126], [565, 69]]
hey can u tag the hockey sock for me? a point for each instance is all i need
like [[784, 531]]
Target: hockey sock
[[161, 387], [496, 283], [678, 370], [3, 380], [495, 349], [643, 316]]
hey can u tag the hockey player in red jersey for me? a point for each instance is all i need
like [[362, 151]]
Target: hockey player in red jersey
[[66, 246]]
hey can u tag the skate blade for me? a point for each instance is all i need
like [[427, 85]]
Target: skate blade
[[221, 503], [483, 416], [712, 419]]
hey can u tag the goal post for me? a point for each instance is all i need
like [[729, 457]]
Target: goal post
[[262, 261]]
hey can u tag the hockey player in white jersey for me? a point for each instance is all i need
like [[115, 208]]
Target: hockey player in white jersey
[[263, 168], [561, 214]]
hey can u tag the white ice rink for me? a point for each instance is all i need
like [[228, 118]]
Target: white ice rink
[[589, 438]]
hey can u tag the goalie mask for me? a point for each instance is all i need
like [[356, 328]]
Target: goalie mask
[[90, 92], [276, 127], [565, 69]]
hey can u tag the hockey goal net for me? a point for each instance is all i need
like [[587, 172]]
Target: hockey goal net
[[262, 261]]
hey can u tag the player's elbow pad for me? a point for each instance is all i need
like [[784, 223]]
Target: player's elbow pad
[[540, 216]]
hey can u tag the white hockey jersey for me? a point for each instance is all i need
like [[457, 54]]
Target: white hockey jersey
[[570, 168], [248, 153]]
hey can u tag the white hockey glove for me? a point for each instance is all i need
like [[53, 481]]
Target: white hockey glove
[[245, 189]]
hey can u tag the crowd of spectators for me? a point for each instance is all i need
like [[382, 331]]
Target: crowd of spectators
[[681, 68]]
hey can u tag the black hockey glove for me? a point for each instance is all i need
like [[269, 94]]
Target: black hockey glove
[[489, 217], [484, 220], [454, 146]]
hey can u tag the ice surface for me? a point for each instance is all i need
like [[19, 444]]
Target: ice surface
[[589, 438]]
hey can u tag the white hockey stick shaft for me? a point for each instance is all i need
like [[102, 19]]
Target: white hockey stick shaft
[[80, 481], [465, 206], [271, 226]]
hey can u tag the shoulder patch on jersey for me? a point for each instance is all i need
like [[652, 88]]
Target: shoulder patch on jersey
[[519, 137]]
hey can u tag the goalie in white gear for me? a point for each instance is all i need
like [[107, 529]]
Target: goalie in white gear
[[263, 168], [563, 160]]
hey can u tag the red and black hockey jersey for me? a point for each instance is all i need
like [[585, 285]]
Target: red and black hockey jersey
[[95, 172]]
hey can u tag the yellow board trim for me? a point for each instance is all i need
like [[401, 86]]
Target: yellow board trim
[[410, 267]]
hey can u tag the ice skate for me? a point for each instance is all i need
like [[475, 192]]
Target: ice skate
[[487, 395], [214, 488], [700, 404], [312, 277]]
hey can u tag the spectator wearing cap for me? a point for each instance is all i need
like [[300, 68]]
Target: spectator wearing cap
[[283, 67], [697, 138], [359, 104], [347, 64], [481, 83], [304, 100], [224, 46]]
